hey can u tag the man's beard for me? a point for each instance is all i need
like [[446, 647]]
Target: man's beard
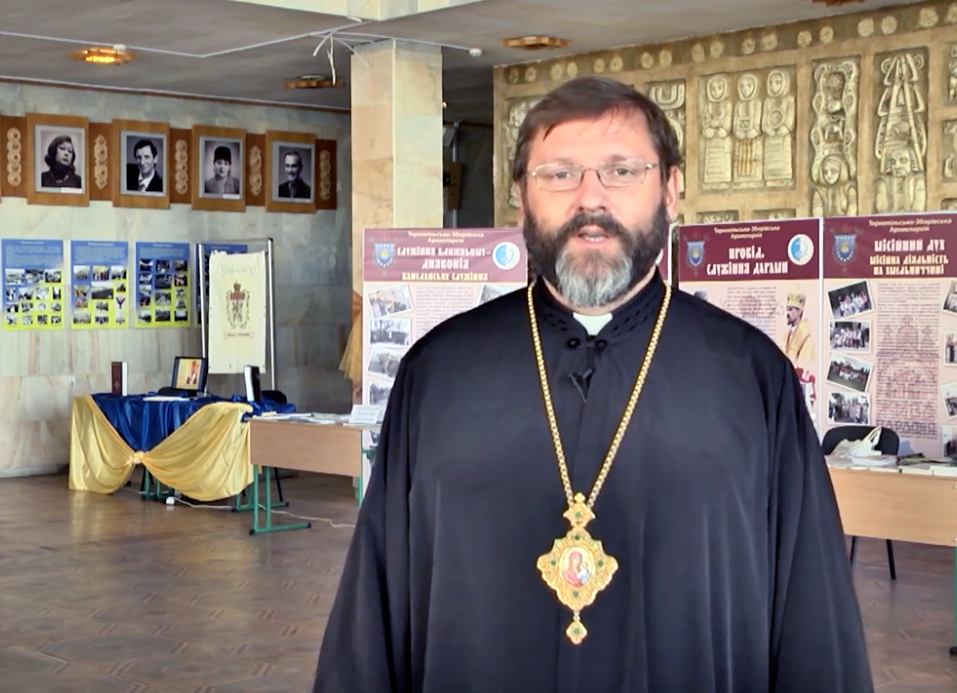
[[593, 279]]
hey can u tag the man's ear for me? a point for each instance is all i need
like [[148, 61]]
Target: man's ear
[[519, 189], [670, 195]]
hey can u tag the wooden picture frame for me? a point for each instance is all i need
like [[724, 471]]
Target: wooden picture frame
[[290, 182], [219, 186], [326, 183], [138, 145], [12, 142], [69, 184]]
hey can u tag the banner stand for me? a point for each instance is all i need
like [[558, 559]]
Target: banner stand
[[203, 250]]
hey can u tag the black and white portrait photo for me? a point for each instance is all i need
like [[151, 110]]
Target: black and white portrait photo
[[60, 156], [221, 168], [292, 164], [144, 163]]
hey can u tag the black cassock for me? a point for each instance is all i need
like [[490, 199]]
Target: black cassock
[[732, 574]]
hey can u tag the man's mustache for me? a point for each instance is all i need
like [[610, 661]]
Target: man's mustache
[[605, 222]]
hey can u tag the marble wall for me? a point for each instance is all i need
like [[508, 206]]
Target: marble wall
[[853, 114], [41, 372]]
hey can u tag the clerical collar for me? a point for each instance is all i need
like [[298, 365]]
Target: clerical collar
[[593, 323], [641, 308]]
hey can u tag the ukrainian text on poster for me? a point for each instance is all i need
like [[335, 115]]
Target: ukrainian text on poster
[[891, 303], [413, 279], [767, 273], [237, 311], [100, 284], [33, 284], [162, 284]]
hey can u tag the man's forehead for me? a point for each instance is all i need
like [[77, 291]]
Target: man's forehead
[[615, 123]]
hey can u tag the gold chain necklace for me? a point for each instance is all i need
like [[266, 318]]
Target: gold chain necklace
[[577, 568]]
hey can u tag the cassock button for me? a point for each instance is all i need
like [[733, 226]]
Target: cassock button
[[601, 344], [574, 343]]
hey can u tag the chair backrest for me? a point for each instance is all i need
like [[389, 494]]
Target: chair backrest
[[887, 444], [277, 396]]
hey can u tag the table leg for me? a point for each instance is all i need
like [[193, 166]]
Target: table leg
[[953, 649], [250, 503], [148, 492], [267, 509]]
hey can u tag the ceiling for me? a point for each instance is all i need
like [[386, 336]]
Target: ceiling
[[243, 50]]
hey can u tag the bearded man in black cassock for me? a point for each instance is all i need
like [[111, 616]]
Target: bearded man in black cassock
[[597, 485]]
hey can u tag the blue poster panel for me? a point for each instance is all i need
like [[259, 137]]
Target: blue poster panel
[[101, 283], [162, 284], [33, 284]]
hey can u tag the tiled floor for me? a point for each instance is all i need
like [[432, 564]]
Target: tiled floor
[[101, 594]]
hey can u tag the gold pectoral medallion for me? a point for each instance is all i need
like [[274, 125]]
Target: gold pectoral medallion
[[577, 567]]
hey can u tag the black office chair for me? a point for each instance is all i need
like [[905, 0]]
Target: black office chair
[[887, 444]]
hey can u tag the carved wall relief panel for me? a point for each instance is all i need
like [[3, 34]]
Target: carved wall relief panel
[[515, 112], [950, 89], [834, 129], [950, 150], [747, 127], [949, 205], [717, 217], [772, 214], [671, 97], [900, 131]]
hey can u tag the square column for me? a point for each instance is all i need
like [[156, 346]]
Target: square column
[[396, 140]]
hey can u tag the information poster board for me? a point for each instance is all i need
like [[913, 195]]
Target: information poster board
[[413, 279], [769, 274], [237, 312], [32, 284], [162, 284], [100, 272], [891, 302]]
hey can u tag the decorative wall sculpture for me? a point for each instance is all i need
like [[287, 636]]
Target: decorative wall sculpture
[[515, 112], [772, 214], [875, 89], [671, 97], [747, 122], [951, 76], [900, 131], [833, 160], [949, 150], [717, 217]]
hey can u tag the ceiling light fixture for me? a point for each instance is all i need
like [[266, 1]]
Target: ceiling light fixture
[[314, 82], [101, 55], [535, 43]]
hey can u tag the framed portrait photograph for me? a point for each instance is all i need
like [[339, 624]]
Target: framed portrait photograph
[[141, 164], [218, 169], [57, 160], [290, 172]]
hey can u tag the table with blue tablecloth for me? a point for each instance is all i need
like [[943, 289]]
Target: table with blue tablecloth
[[198, 446]]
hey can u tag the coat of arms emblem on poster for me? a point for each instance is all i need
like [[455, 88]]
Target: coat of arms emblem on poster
[[238, 302]]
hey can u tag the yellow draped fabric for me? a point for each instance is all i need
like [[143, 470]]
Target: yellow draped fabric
[[351, 363], [207, 458]]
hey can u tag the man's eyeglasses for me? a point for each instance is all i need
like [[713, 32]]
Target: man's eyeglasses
[[562, 177]]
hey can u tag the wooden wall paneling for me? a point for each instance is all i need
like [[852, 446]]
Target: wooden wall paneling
[[13, 154]]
